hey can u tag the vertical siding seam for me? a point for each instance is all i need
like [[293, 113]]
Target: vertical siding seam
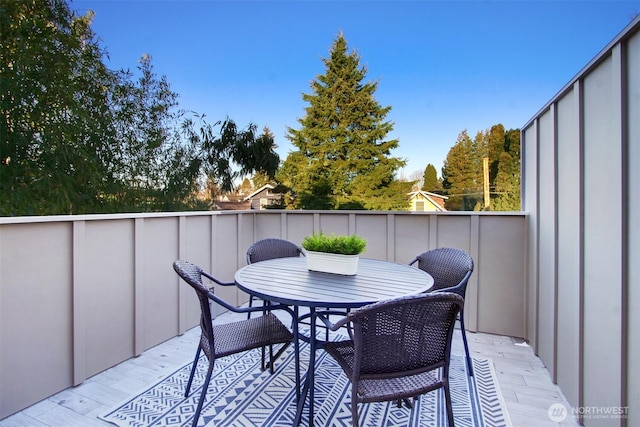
[[554, 118], [213, 268], [537, 234], [621, 54], [391, 238], [239, 251], [182, 290], [525, 279], [581, 256], [527, 237], [472, 317], [212, 242], [138, 288], [78, 271], [239, 235]]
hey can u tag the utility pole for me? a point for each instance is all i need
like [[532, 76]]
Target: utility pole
[[485, 167]]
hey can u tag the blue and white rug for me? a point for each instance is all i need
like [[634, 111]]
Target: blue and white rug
[[241, 395]]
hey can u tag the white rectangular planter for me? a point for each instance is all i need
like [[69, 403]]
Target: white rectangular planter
[[332, 263]]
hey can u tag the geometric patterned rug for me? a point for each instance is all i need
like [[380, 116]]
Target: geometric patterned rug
[[241, 395]]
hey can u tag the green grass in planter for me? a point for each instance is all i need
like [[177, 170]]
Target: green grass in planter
[[330, 243]]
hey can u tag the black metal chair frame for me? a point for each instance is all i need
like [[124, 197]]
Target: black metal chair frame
[[236, 337], [400, 348], [451, 269]]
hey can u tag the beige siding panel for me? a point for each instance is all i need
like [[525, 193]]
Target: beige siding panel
[[108, 293], [413, 231], [246, 233], [198, 250], [332, 223], [500, 276], [159, 286], [374, 229], [226, 254], [227, 246], [547, 239], [602, 238], [441, 235], [446, 237], [299, 226], [35, 313], [268, 226], [198, 241], [569, 238]]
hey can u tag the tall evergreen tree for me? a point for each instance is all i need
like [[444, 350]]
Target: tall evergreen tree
[[507, 182], [430, 180], [459, 174], [479, 151], [495, 138], [342, 159], [507, 187], [463, 173]]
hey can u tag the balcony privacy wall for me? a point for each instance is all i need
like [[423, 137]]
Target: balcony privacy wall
[[581, 175], [81, 294]]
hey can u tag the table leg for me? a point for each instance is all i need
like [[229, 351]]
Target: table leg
[[296, 349], [308, 388], [312, 365]]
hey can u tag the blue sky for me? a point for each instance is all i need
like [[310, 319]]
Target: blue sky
[[443, 66]]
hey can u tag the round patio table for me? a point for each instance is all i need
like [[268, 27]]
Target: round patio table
[[288, 281]]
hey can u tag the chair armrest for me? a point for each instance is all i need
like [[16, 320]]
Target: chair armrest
[[216, 281], [235, 309], [323, 316], [459, 289], [413, 261]]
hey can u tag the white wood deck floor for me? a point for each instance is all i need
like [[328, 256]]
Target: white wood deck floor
[[524, 381]]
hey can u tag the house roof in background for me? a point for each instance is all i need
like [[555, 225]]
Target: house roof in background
[[439, 203], [258, 191]]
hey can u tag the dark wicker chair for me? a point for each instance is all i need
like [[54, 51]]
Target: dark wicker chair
[[450, 269], [231, 338], [271, 248], [400, 349]]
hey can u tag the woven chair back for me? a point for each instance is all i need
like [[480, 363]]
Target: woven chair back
[[192, 274], [406, 335], [271, 248], [449, 267]]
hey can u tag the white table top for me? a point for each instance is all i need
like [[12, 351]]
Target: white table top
[[288, 281]]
